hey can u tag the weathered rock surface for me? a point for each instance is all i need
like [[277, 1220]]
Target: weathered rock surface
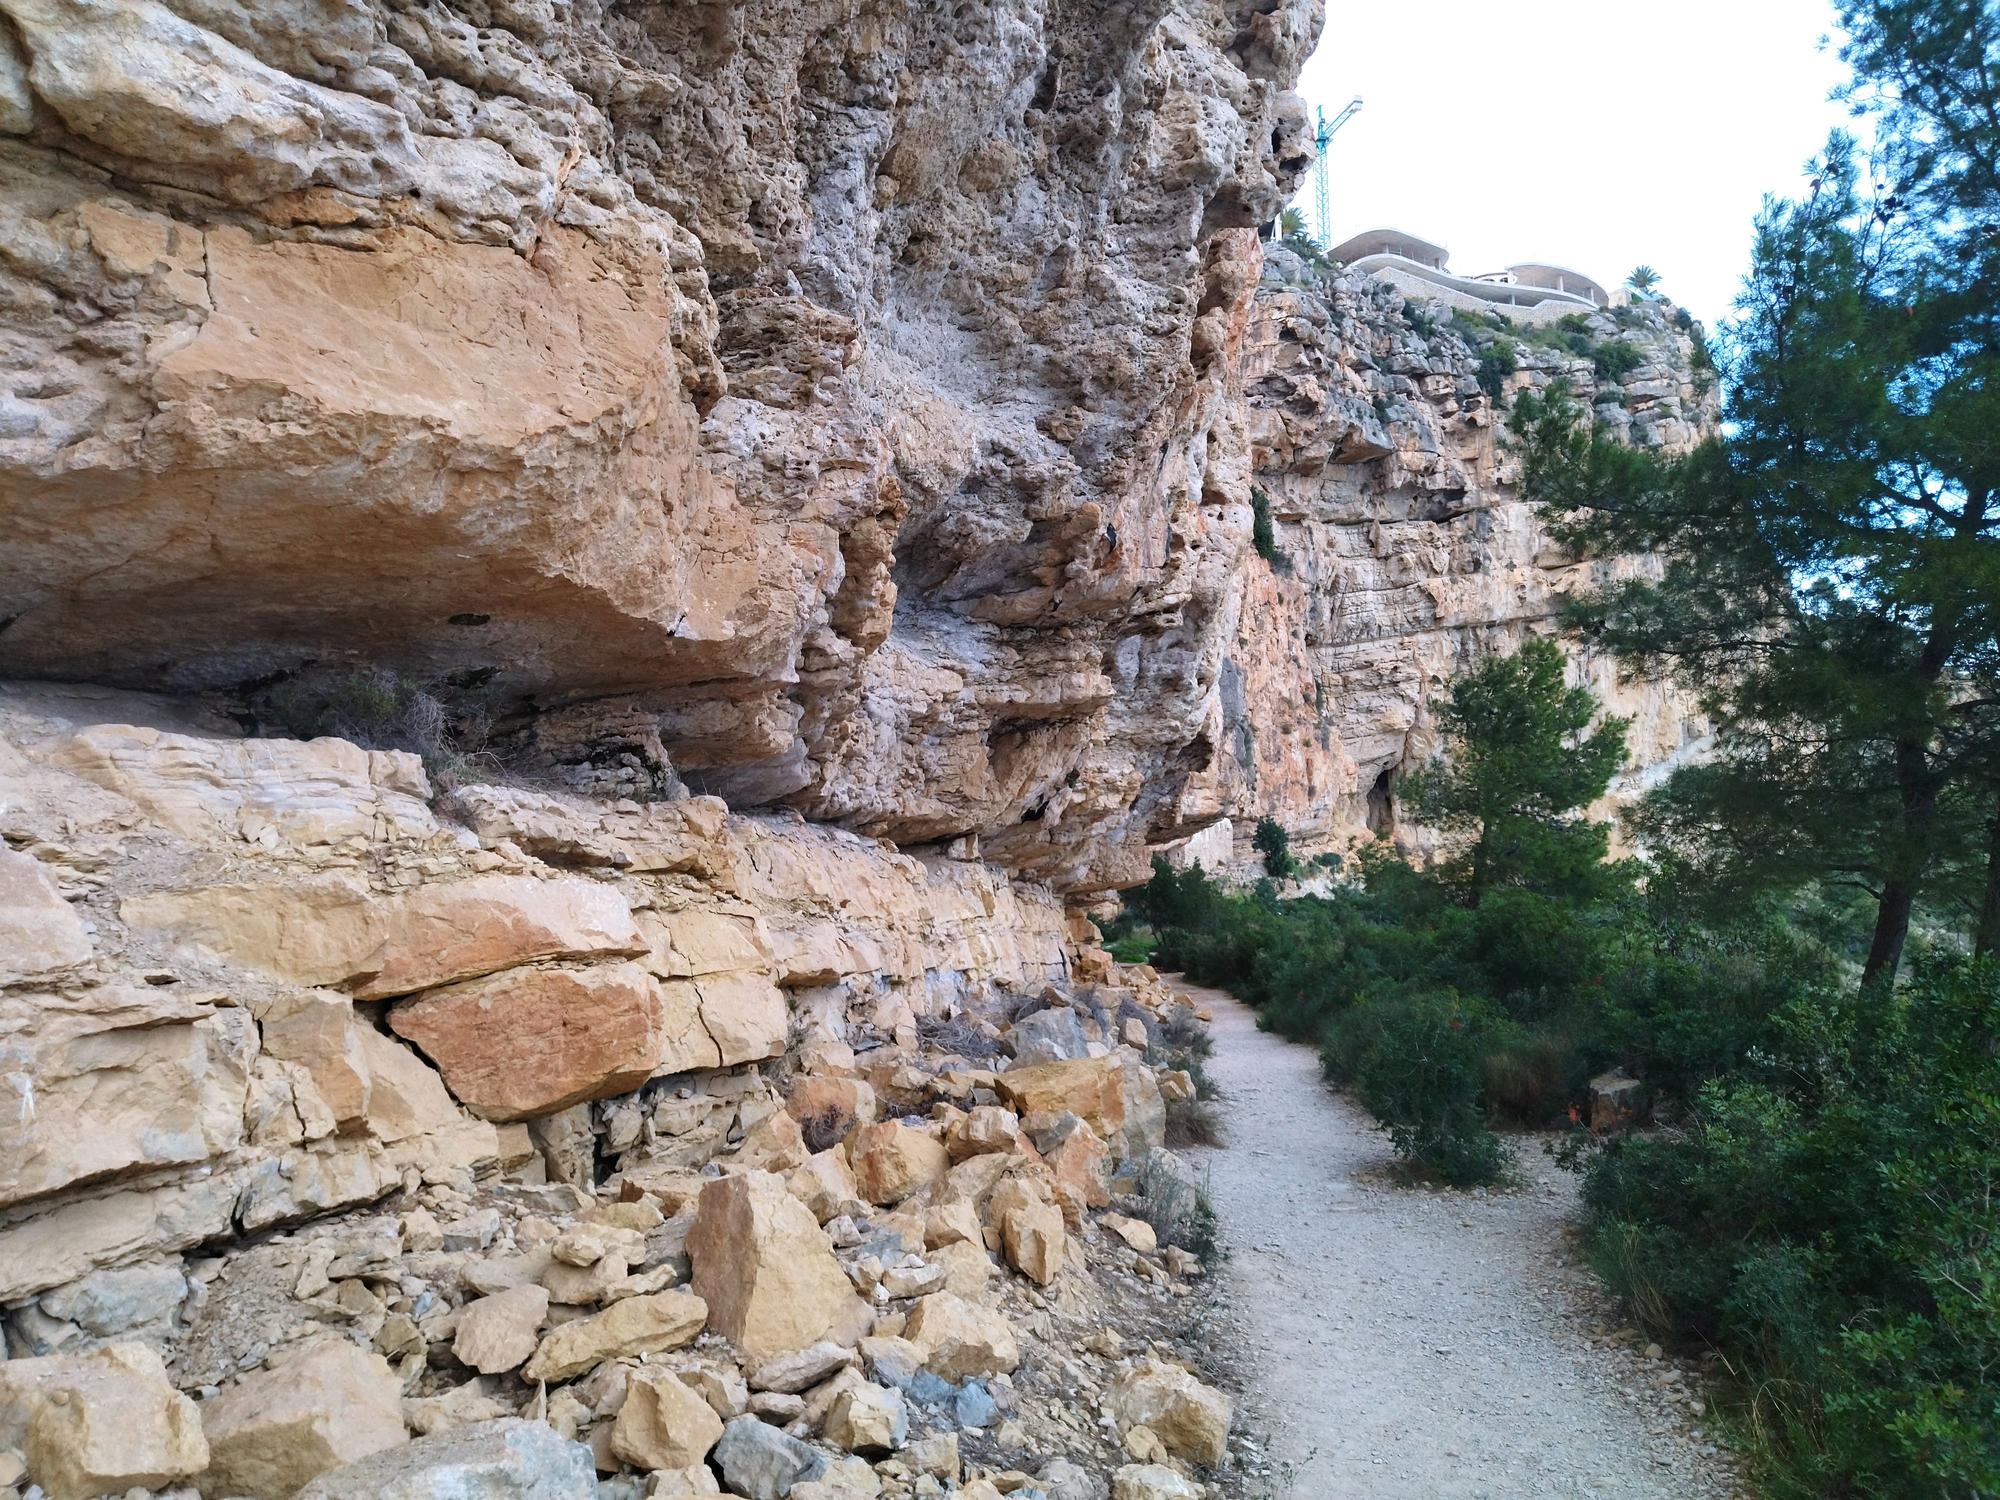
[[663, 1424], [973, 610], [506, 1459], [636, 1325], [1190, 1418], [105, 1421], [323, 1406], [1406, 549], [767, 1269]]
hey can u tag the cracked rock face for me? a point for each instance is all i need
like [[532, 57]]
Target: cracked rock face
[[1406, 552], [834, 399]]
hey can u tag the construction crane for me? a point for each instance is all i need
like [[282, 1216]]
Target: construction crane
[[1323, 130]]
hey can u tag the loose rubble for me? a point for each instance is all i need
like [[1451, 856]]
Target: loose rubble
[[903, 1246]]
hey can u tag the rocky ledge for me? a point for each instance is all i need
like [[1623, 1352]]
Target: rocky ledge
[[360, 1141]]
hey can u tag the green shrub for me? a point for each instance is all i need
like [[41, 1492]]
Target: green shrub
[[1275, 844], [1832, 1227], [1614, 359], [1419, 1074], [1497, 361]]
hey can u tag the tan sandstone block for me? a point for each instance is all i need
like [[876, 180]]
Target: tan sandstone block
[[332, 930], [767, 1269], [322, 1406], [499, 1333], [1192, 1419], [638, 1325], [962, 1341], [663, 1424], [40, 932], [893, 1160], [100, 1422]]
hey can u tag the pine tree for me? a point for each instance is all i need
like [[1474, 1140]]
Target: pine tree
[[1521, 761], [1832, 583]]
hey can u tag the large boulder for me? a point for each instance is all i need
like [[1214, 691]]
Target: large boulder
[[507, 1459], [767, 1269], [1091, 1088], [1192, 1419], [533, 1041], [893, 1160], [1031, 1229], [1053, 1035], [962, 1340], [100, 1422], [498, 1333], [318, 1408]]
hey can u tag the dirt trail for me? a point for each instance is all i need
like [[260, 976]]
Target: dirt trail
[[1400, 1342]]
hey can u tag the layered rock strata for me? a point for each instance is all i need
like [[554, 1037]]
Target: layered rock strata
[[1405, 549], [824, 402]]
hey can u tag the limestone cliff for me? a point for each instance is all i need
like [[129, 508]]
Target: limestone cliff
[[1405, 549], [820, 400]]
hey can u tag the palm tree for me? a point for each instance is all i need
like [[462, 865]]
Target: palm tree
[[1643, 282], [1291, 224]]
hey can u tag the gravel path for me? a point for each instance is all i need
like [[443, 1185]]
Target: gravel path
[[1398, 1341]]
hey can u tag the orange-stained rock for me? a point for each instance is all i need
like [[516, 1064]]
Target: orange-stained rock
[[533, 1041], [829, 1106], [766, 1269], [1092, 1088], [893, 1160], [1082, 1164]]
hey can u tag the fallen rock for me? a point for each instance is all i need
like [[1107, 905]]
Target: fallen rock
[[1192, 1419], [663, 1423], [723, 1389], [498, 1333], [962, 1341], [1091, 1088], [761, 1463], [509, 1459], [1136, 1233], [767, 1269], [1054, 1035], [104, 1421], [532, 1041], [825, 1184], [987, 1128], [637, 1325], [796, 1371], [828, 1106], [892, 1160], [323, 1406], [1031, 1230], [1152, 1482], [867, 1419]]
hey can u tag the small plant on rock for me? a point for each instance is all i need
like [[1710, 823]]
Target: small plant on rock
[[1271, 841]]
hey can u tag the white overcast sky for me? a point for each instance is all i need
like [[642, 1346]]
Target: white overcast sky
[[1597, 134]]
